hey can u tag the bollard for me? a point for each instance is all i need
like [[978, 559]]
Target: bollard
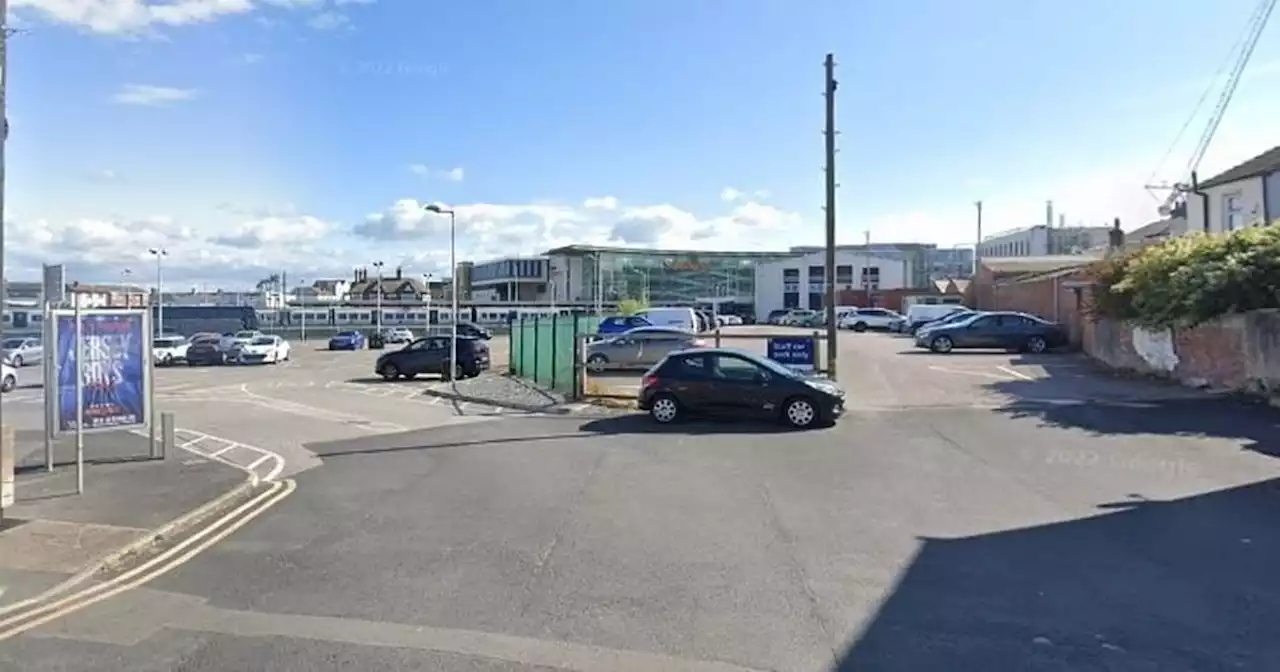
[[167, 434], [717, 337], [6, 469]]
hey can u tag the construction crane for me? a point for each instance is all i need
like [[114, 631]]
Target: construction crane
[[1257, 24]]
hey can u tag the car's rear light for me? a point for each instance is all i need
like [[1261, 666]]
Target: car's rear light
[[649, 380]]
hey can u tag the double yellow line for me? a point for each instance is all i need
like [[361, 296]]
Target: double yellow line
[[16, 619]]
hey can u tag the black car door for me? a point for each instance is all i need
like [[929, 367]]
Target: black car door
[[736, 386], [974, 334], [691, 382]]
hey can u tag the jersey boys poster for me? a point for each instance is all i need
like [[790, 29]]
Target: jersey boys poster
[[115, 370]]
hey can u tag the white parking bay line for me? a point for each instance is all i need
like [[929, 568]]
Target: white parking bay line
[[979, 374], [1015, 374]]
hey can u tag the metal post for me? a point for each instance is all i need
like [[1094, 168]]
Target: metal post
[[304, 323], [79, 373], [830, 93], [428, 320], [4, 117], [151, 388], [378, 299], [48, 365], [168, 432], [453, 329], [599, 284]]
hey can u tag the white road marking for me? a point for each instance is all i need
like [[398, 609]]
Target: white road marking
[[1015, 374], [979, 374]]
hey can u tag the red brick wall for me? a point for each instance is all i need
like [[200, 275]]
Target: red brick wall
[[1052, 298], [889, 298]]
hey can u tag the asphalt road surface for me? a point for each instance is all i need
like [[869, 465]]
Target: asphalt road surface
[[972, 512]]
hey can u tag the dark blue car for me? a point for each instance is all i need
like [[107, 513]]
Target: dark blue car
[[617, 325], [347, 340]]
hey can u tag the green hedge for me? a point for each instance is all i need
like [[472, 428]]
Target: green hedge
[[1190, 280]]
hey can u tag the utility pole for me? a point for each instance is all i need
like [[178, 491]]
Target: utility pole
[[977, 244], [866, 269], [830, 132], [4, 139]]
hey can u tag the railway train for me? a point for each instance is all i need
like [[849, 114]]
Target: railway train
[[23, 319]]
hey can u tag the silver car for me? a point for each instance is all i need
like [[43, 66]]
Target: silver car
[[20, 352], [638, 348]]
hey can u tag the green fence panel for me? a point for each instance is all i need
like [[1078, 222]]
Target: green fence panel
[[515, 349], [564, 354], [545, 338]]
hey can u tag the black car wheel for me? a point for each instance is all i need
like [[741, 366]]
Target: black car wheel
[[9, 383], [389, 372], [942, 344], [17, 361], [860, 327], [167, 361], [800, 412], [664, 409], [597, 362], [1037, 344]]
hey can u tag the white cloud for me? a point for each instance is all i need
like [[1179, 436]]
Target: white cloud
[[250, 59], [329, 21], [143, 94], [258, 233], [422, 170], [730, 194], [131, 16], [353, 2], [601, 203]]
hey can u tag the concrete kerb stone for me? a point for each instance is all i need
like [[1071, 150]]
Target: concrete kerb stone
[[450, 395], [177, 527]]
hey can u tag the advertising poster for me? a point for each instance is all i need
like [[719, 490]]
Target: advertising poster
[[115, 370]]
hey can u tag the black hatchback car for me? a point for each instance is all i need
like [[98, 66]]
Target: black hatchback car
[[731, 382], [431, 355], [206, 350]]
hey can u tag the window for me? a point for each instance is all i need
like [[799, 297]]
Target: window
[[844, 275], [693, 365], [1232, 212], [816, 272], [985, 322], [735, 368]]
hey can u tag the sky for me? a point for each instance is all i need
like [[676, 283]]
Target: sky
[[251, 137]]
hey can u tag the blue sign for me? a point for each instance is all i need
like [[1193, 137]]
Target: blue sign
[[115, 370], [796, 352]]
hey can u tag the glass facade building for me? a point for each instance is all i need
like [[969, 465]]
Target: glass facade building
[[665, 276]]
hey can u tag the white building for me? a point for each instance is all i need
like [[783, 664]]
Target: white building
[[1247, 195], [797, 282], [1043, 241], [514, 279]]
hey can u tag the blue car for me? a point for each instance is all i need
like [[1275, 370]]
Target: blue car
[[617, 325], [347, 340]]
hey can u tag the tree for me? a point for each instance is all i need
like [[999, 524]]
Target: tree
[[1189, 280], [631, 306]]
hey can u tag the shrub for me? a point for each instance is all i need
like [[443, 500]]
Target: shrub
[[1190, 280], [631, 306]]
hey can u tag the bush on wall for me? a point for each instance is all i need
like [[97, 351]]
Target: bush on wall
[[1190, 280]]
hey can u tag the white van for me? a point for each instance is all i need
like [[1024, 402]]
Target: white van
[[921, 313], [677, 318]]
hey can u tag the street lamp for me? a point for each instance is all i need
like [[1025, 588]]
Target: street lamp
[[302, 308], [160, 254], [427, 276], [378, 300], [453, 271]]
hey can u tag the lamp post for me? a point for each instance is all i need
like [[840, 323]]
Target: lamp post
[[302, 308], [378, 299], [453, 266], [428, 294], [159, 253]]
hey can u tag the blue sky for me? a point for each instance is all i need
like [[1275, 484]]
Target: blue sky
[[304, 134]]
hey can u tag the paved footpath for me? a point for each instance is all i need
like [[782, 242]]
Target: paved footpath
[[52, 534]]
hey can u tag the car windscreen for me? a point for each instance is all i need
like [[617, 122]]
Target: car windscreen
[[245, 334], [166, 342], [263, 341], [775, 367], [12, 343]]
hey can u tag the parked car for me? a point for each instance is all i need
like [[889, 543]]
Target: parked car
[[673, 317], [639, 348], [464, 329], [206, 351], [397, 335], [169, 350], [1004, 331], [728, 381], [263, 350], [621, 323], [957, 316], [8, 377], [728, 320], [775, 316], [347, 340], [862, 319], [802, 318], [22, 351], [432, 355], [233, 340], [921, 314]]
